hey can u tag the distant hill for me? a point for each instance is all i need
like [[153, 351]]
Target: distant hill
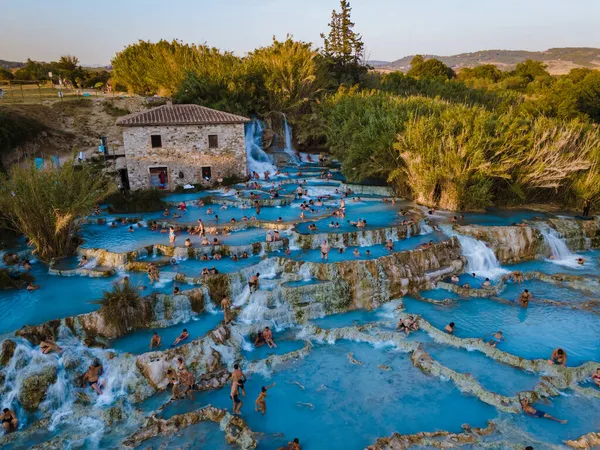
[[559, 60], [11, 64]]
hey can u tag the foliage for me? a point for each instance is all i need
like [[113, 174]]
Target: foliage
[[123, 308], [136, 201], [343, 48], [46, 205], [16, 129], [113, 110], [5, 74], [459, 156], [430, 68]]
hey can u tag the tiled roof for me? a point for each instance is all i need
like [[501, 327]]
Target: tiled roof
[[179, 115]]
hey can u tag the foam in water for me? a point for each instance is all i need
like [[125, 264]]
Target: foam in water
[[558, 246], [481, 259], [258, 160]]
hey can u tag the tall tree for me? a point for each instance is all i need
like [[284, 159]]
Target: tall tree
[[343, 48]]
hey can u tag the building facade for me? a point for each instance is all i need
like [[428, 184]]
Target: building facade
[[176, 145]]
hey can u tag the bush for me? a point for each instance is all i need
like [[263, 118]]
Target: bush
[[114, 111], [46, 205], [136, 201], [16, 130], [124, 308]]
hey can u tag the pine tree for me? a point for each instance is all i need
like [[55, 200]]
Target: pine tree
[[343, 48]]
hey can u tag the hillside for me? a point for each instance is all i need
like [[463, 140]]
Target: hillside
[[559, 60], [11, 64]]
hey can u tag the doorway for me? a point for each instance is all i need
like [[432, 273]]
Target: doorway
[[124, 177], [159, 177]]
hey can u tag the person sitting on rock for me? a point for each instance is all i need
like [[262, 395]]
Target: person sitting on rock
[[155, 341], [83, 261], [253, 282], [455, 279], [466, 286], [487, 283], [182, 337], [268, 337], [532, 412], [48, 346], [408, 325], [517, 276], [10, 422], [558, 357], [92, 376], [496, 339], [176, 290], [449, 328], [260, 340], [186, 380]]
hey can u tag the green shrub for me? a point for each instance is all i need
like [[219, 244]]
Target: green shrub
[[124, 308], [136, 201], [114, 111]]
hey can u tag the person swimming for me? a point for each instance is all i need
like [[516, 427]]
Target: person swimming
[[182, 337], [558, 357], [496, 338], [449, 328], [532, 412]]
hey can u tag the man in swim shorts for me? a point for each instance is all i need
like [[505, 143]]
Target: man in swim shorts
[[237, 403], [532, 412], [261, 401], [238, 377], [155, 341], [10, 422], [92, 376]]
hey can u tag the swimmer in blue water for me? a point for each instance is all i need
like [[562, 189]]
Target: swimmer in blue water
[[496, 339], [532, 412]]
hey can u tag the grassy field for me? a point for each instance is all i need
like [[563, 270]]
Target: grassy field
[[23, 94]]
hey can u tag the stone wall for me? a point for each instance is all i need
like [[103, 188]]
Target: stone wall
[[184, 150]]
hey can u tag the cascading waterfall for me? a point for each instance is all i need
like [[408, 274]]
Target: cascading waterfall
[[288, 142], [481, 259], [258, 160], [425, 227], [558, 246]]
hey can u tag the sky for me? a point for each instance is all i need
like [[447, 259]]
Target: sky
[[94, 31]]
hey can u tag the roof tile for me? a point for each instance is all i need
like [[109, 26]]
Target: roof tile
[[179, 115]]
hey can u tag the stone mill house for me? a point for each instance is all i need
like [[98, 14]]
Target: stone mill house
[[177, 145]]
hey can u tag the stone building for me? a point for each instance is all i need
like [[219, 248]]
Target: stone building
[[175, 145]]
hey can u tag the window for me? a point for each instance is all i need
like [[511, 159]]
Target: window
[[156, 140], [213, 141], [206, 173]]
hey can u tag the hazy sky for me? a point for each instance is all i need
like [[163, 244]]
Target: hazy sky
[[94, 31]]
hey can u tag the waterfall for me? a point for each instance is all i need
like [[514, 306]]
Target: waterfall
[[258, 160], [425, 227], [288, 142], [558, 246], [481, 259]]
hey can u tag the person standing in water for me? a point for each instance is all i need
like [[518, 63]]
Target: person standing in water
[[268, 337], [172, 236], [524, 298], [261, 402], [226, 308], [558, 357], [238, 377], [325, 251], [155, 341], [234, 395]]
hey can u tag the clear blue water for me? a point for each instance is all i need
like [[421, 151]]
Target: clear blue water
[[346, 405], [493, 376], [202, 435], [139, 341], [530, 333], [547, 291]]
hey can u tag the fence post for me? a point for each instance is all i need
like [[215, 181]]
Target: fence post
[[12, 94], [40, 92]]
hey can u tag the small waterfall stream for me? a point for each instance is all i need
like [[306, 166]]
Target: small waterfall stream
[[258, 160], [558, 246], [288, 142], [481, 259]]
